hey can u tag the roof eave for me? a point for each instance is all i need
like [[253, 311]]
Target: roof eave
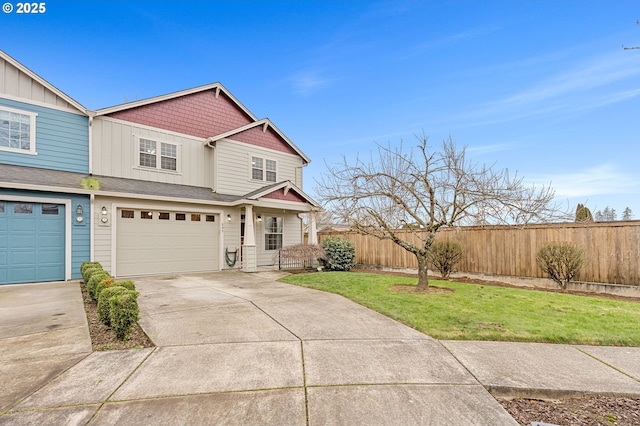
[[77, 105]]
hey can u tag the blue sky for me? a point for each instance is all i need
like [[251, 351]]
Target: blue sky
[[543, 88]]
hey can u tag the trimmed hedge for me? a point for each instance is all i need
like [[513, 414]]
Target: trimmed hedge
[[88, 272], [95, 279], [103, 303], [105, 283], [110, 282], [123, 312], [86, 265]]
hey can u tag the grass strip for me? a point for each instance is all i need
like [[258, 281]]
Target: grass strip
[[484, 312]]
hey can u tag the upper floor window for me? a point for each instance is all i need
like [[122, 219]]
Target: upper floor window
[[263, 169], [157, 155], [17, 130]]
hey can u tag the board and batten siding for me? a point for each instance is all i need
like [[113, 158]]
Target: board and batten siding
[[114, 154], [16, 84], [234, 167], [62, 140]]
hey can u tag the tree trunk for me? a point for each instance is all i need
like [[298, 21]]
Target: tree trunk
[[423, 272]]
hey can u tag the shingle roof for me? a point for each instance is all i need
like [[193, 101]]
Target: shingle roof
[[71, 181]]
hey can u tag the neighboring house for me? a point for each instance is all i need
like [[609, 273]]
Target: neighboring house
[[44, 154], [186, 182]]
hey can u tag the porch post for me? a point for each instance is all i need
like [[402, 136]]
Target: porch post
[[313, 233], [249, 252]]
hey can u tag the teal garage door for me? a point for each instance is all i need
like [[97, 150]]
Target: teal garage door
[[32, 242]]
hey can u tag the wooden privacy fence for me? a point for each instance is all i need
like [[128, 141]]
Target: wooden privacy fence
[[612, 249]]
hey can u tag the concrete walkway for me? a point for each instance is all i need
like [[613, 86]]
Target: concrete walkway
[[244, 349]]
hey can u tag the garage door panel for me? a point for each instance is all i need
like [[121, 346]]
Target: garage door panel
[[32, 244], [156, 246]]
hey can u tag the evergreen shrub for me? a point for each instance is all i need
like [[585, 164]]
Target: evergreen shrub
[[123, 312], [340, 254]]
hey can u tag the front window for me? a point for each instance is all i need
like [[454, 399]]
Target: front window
[[263, 169], [256, 168], [271, 171], [165, 159], [17, 130], [273, 233]]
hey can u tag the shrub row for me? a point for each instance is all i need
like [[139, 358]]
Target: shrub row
[[117, 300]]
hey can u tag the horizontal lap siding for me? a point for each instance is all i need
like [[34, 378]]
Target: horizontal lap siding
[[234, 167], [612, 250], [62, 140]]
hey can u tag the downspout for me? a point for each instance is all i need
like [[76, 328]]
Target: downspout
[[92, 197], [90, 143], [92, 231], [301, 217]]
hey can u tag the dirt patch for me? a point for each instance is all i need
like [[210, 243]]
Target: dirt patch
[[586, 410], [411, 289], [102, 338]]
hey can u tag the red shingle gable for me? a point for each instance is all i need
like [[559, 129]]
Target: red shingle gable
[[268, 139], [291, 196], [199, 114], [202, 114]]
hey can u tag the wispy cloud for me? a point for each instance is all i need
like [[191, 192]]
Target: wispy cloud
[[486, 149], [309, 81], [573, 89], [603, 179], [428, 45]]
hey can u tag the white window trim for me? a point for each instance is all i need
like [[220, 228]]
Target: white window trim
[[265, 233], [158, 167], [264, 168], [32, 131]]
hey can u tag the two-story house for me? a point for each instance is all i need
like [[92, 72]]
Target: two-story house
[[193, 181], [44, 155], [190, 181]]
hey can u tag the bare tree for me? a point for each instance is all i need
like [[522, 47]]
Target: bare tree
[[428, 190]]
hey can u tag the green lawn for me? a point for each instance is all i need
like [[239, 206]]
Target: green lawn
[[482, 312]]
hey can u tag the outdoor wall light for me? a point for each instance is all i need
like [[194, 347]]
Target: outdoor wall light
[[259, 218], [104, 219], [228, 218], [79, 211]]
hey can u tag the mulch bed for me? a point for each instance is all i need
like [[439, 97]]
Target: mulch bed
[[584, 410], [102, 338]]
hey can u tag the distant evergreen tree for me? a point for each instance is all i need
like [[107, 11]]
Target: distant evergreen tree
[[627, 214], [607, 215], [583, 214]]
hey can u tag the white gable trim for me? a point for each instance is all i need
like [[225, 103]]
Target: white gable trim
[[43, 82]]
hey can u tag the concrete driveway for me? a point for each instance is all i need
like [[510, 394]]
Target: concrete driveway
[[244, 349]]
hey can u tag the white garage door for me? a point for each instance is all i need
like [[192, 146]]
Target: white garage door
[[162, 242]]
